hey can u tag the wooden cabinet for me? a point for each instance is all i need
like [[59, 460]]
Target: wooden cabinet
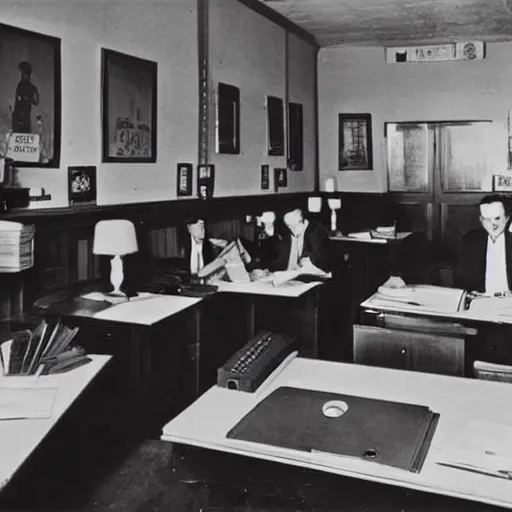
[[408, 350]]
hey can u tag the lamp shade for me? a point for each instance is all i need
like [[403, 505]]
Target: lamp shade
[[314, 204], [334, 203], [114, 237]]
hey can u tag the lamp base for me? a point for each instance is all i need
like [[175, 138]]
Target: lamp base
[[115, 297]]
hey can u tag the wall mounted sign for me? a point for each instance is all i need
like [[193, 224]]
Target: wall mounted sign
[[30, 84], [129, 108], [469, 50]]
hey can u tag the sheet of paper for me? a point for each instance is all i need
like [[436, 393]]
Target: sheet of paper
[[427, 297], [147, 308], [20, 400], [480, 444]]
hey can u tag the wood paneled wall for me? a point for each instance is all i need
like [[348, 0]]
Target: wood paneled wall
[[64, 237]]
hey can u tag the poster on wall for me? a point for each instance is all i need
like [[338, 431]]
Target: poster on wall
[[30, 90], [129, 108]]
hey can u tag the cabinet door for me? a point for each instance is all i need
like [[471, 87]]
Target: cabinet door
[[374, 346], [437, 354]]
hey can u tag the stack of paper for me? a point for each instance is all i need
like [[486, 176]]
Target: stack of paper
[[47, 349], [16, 246]]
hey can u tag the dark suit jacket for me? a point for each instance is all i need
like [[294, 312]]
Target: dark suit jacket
[[317, 247], [471, 265]]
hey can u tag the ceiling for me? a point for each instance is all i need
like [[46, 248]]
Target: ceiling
[[398, 22]]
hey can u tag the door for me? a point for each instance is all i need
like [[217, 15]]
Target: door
[[437, 174]]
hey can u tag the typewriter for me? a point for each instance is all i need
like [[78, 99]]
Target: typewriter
[[255, 361], [177, 283]]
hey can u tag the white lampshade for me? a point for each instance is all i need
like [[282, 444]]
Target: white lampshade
[[330, 185], [334, 203], [115, 237], [314, 204]]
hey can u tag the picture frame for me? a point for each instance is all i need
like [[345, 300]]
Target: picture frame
[[275, 126], [280, 177], [355, 150], [295, 137], [184, 179], [265, 177], [129, 108], [502, 183], [228, 119], [82, 185], [205, 180], [30, 87]]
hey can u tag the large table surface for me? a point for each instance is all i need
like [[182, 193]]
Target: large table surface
[[20, 437], [458, 401]]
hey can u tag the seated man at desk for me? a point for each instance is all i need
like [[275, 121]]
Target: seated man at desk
[[197, 249], [485, 261], [307, 247]]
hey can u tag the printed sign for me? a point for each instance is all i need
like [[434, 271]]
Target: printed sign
[[23, 147]]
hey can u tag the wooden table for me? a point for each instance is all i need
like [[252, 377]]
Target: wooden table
[[204, 453]]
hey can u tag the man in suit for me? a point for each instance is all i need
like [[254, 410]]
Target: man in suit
[[307, 248], [197, 250], [485, 261]]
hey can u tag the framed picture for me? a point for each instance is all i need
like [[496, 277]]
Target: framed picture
[[184, 180], [275, 126], [355, 142], [128, 108], [265, 177], [205, 180], [228, 119], [30, 88], [295, 137], [502, 182], [82, 184], [280, 177]]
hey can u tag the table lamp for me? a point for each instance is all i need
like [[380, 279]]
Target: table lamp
[[116, 238], [334, 204]]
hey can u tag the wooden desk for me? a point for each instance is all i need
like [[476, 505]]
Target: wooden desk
[[204, 453], [479, 336], [149, 337], [19, 438]]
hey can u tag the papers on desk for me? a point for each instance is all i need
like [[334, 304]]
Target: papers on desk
[[491, 306], [482, 447], [418, 297], [26, 397], [147, 308]]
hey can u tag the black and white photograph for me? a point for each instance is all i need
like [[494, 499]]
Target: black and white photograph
[[256, 255]]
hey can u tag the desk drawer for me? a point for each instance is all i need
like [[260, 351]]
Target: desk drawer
[[407, 350]]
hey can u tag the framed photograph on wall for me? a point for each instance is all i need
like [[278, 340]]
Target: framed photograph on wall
[[205, 180], [228, 119], [265, 177], [82, 185], [502, 183], [30, 88], [355, 142], [184, 179], [129, 103]]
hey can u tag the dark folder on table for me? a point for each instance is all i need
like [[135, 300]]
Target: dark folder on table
[[391, 433]]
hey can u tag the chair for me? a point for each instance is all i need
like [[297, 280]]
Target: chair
[[492, 371]]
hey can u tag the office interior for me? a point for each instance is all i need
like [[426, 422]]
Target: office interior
[[197, 45]]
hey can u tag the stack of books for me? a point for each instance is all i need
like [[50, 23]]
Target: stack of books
[[16, 246], [48, 349]]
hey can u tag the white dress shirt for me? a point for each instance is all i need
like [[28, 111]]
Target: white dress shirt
[[297, 246], [196, 255], [496, 266]]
